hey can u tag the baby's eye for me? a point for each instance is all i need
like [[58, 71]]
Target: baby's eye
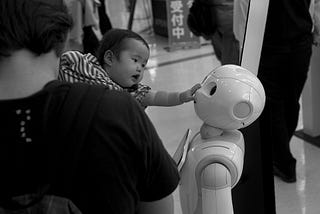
[[135, 60], [143, 65]]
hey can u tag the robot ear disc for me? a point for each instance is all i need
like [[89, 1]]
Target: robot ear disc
[[242, 110]]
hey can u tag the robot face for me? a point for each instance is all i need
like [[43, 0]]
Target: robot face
[[231, 97]]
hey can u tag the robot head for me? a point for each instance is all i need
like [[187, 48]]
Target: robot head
[[231, 97]]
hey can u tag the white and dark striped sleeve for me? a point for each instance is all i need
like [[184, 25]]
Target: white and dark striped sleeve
[[78, 67]]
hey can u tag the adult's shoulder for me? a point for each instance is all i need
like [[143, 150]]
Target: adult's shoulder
[[119, 101], [118, 96], [112, 103]]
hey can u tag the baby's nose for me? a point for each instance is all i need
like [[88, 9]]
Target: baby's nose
[[140, 68]]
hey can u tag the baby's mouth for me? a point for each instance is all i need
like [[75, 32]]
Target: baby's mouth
[[136, 77]]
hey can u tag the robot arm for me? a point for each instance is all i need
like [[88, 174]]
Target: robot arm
[[213, 166], [216, 189]]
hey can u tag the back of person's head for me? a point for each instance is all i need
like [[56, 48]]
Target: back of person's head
[[39, 26], [113, 40]]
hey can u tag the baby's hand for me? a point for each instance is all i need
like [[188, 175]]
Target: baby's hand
[[187, 95]]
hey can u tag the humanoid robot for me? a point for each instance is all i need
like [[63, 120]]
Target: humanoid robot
[[230, 98]]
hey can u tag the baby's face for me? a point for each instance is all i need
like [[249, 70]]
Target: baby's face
[[129, 68]]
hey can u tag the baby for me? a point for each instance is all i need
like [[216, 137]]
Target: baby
[[120, 64]]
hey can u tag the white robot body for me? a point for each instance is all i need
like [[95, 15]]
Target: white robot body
[[213, 166], [230, 98]]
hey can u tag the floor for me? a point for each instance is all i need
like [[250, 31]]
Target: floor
[[179, 70]]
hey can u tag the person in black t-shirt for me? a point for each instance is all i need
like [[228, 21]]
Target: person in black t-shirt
[[124, 167]]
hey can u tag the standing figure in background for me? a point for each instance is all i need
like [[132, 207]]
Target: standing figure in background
[[90, 22], [92, 33], [104, 20], [224, 43], [292, 27]]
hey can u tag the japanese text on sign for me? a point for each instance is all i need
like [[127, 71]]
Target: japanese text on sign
[[176, 10], [178, 30]]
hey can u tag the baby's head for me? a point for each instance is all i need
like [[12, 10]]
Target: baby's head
[[124, 55]]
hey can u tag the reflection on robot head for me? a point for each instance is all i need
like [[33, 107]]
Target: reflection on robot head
[[231, 97]]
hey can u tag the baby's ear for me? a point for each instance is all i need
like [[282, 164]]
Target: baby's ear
[[108, 57]]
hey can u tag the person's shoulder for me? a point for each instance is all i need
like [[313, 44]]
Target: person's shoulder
[[118, 98], [115, 101], [119, 104], [57, 85], [60, 88]]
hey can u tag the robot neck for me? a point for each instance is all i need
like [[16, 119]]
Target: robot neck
[[207, 131]]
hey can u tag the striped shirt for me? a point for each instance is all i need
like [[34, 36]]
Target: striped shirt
[[78, 67]]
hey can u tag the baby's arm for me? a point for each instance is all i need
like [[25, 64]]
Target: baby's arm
[[163, 98]]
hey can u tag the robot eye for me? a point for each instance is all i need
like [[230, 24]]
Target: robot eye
[[213, 90], [210, 88]]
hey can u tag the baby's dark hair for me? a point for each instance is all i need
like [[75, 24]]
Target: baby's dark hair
[[39, 26], [113, 40]]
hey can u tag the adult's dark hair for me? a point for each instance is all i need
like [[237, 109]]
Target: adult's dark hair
[[114, 40], [39, 26]]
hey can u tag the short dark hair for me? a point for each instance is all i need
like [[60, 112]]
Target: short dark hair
[[39, 26], [113, 40]]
